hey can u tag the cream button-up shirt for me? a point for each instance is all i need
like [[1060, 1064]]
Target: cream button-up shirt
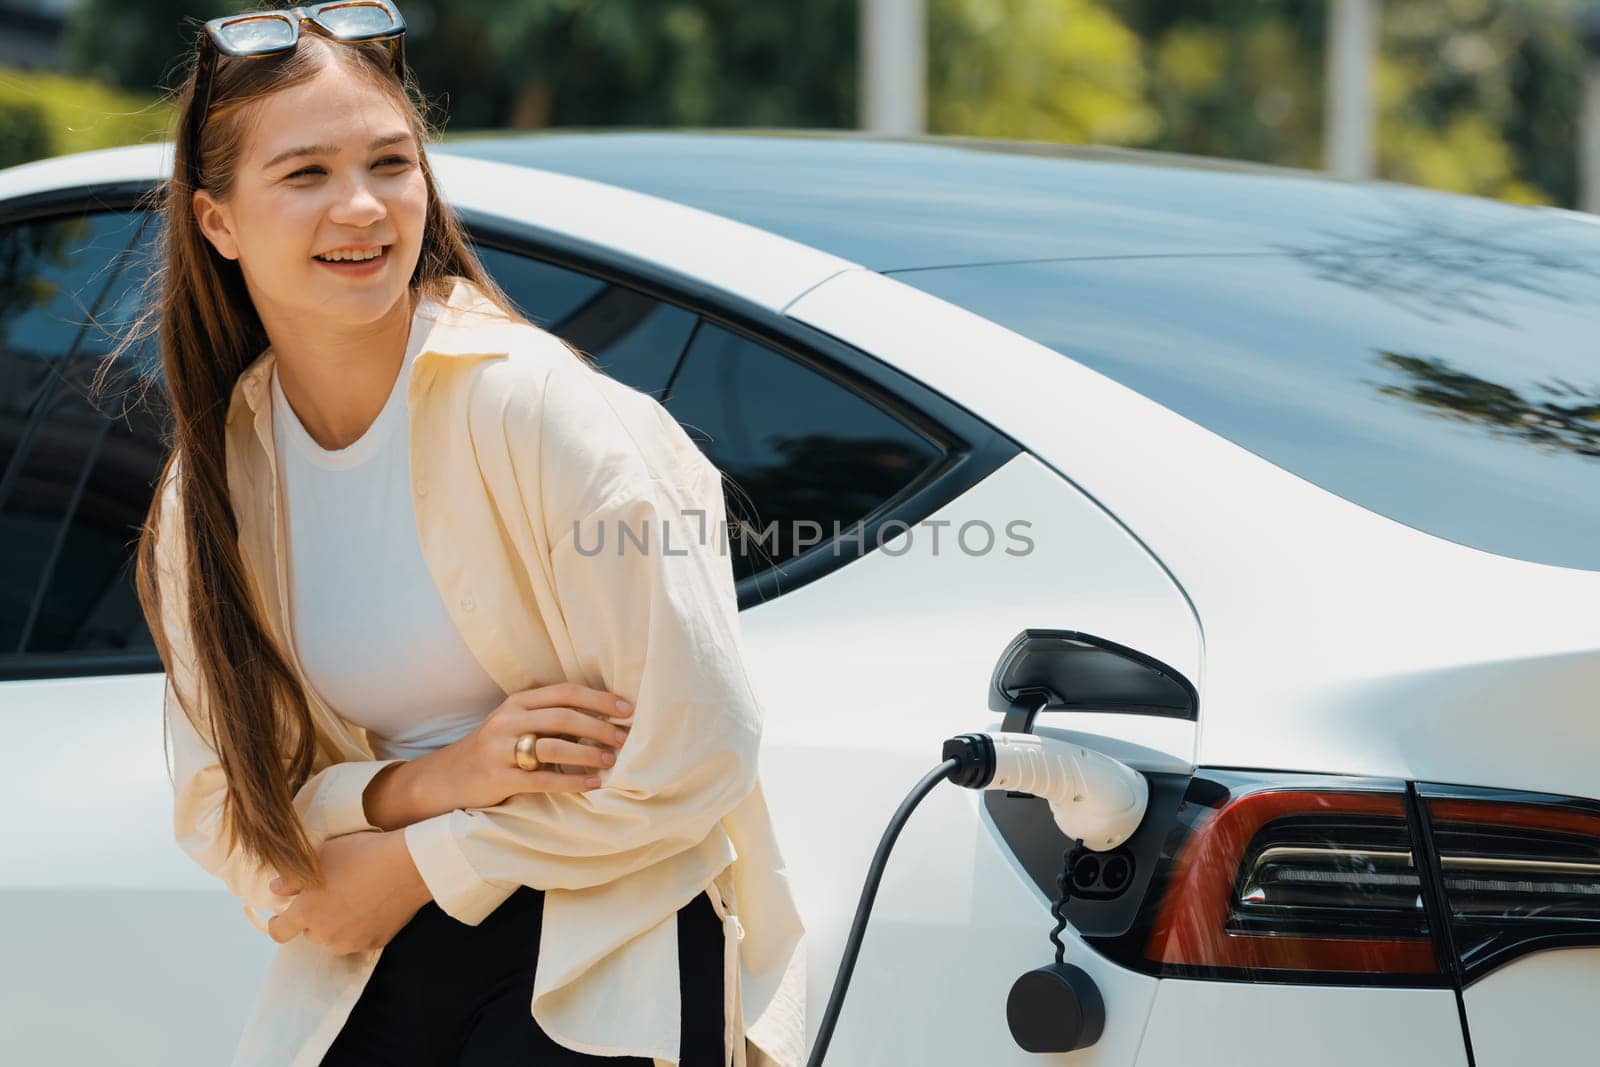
[[522, 457]]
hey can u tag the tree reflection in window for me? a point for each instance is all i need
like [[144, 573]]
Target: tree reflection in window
[[1567, 420]]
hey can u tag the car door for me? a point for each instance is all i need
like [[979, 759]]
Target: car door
[[117, 949]]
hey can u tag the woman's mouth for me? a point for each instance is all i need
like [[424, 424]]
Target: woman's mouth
[[359, 262]]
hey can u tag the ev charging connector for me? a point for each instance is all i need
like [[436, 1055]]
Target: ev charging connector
[[1096, 801]]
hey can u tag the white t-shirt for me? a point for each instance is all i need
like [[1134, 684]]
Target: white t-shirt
[[369, 626]]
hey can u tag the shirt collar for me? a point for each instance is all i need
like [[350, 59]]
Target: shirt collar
[[468, 323]]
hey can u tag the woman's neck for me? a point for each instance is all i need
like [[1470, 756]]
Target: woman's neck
[[337, 383]]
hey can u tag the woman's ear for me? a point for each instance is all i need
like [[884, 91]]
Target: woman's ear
[[212, 217]]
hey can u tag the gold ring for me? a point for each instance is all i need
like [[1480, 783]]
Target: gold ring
[[525, 757]]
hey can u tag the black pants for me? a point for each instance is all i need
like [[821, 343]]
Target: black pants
[[445, 994]]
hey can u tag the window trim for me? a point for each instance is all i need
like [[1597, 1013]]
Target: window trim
[[973, 448]]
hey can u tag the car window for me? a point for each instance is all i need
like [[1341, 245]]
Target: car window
[[632, 337], [800, 447], [1434, 367], [77, 463]]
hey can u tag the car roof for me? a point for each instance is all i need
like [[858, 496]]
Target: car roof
[[904, 204], [907, 203]]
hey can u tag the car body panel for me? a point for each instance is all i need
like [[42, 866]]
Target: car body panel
[[1537, 1009], [1223, 1024], [907, 669], [1302, 668], [118, 947], [126, 976]]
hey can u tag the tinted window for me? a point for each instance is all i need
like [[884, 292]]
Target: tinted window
[[799, 446], [1441, 374], [77, 463], [804, 453], [632, 337]]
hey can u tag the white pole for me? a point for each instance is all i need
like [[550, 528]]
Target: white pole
[[1352, 51], [1589, 138], [894, 64]]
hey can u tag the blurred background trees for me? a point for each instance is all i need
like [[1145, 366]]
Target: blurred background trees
[[1477, 96]]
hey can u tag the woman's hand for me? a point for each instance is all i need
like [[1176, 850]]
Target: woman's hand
[[371, 889], [480, 771]]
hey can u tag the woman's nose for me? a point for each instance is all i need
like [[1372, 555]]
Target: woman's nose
[[356, 204]]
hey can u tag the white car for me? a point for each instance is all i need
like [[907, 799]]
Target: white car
[[1323, 458]]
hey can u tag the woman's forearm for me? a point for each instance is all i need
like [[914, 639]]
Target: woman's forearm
[[405, 793], [476, 771]]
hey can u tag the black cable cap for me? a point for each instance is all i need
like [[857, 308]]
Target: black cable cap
[[1055, 1009]]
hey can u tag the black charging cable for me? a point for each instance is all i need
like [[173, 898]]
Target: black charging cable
[[852, 945], [1069, 860], [1050, 1009]]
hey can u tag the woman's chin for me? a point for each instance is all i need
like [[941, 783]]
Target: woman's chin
[[343, 302]]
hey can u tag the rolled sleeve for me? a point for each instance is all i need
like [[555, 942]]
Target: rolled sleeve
[[455, 885], [329, 803]]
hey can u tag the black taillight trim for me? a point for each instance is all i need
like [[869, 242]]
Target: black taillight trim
[[1533, 935]]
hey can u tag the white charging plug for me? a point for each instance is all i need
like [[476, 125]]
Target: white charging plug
[[1094, 798]]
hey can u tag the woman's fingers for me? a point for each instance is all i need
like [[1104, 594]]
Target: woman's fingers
[[555, 750], [569, 721], [284, 928], [579, 730], [573, 695]]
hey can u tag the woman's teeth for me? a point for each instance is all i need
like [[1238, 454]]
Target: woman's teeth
[[338, 257]]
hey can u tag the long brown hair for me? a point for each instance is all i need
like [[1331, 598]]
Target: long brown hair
[[259, 721]]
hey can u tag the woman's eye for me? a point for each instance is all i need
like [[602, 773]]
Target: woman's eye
[[314, 170]]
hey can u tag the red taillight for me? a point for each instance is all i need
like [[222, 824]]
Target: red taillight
[[1517, 875], [1286, 877], [1297, 881]]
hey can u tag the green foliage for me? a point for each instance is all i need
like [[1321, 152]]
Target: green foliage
[[1045, 70], [138, 44], [536, 63], [1242, 88], [1479, 96], [49, 114], [1476, 96], [532, 63], [1482, 97], [24, 134]]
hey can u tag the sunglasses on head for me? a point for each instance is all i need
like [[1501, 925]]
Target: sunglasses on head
[[269, 33]]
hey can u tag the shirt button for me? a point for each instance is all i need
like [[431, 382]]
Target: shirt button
[[467, 603], [422, 489]]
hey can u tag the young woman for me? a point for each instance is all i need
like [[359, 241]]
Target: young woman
[[494, 788]]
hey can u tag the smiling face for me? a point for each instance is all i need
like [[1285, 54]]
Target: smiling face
[[329, 166]]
